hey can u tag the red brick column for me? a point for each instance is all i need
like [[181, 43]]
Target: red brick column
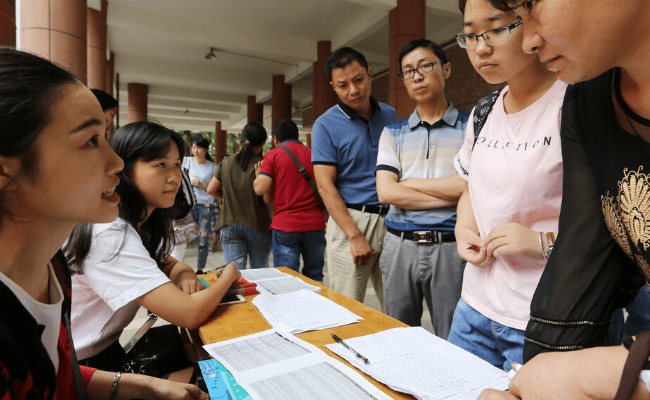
[[324, 96], [255, 111], [56, 30], [405, 23], [137, 101], [8, 23], [281, 100], [110, 74], [96, 47], [220, 143]]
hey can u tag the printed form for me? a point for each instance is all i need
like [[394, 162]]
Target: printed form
[[303, 311], [414, 361], [272, 365], [272, 281]]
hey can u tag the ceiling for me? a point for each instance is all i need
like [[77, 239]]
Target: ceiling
[[163, 43]]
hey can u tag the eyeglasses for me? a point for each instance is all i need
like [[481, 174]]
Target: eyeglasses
[[422, 70], [492, 37]]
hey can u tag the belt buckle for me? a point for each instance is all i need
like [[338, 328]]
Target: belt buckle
[[423, 237]]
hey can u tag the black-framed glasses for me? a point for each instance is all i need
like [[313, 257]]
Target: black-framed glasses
[[492, 37], [422, 70]]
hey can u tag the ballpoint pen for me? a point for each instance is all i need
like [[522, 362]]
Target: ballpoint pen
[[341, 342]]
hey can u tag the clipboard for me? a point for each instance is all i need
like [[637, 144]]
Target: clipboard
[[140, 333]]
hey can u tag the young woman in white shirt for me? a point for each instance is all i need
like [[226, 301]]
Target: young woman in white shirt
[[120, 266]]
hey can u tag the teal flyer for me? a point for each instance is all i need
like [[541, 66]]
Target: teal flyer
[[221, 384]]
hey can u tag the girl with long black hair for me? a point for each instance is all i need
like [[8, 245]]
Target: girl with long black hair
[[125, 264]]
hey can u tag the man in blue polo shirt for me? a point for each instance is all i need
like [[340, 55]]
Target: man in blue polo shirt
[[416, 176], [345, 141]]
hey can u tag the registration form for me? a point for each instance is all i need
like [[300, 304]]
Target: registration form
[[273, 365], [413, 360]]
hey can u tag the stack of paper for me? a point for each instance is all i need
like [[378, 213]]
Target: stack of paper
[[303, 311], [272, 281], [414, 361], [271, 365]]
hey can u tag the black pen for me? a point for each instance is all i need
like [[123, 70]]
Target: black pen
[[340, 341]]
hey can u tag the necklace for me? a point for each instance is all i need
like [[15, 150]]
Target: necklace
[[629, 113]]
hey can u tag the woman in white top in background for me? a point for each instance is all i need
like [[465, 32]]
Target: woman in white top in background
[[200, 169]]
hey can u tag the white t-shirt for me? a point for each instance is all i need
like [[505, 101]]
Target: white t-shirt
[[117, 271], [514, 174], [48, 315]]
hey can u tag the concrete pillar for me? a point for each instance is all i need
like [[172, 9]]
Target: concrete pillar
[[220, 143], [281, 100], [8, 23], [405, 23], [324, 96], [110, 72], [255, 111], [137, 101], [97, 42], [56, 30]]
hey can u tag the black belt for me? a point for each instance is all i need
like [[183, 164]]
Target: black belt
[[374, 209], [424, 236]]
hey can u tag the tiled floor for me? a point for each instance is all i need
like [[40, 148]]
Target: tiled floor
[[216, 259]]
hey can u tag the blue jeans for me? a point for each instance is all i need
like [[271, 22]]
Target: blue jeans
[[203, 215], [239, 241], [495, 343], [288, 246], [638, 318]]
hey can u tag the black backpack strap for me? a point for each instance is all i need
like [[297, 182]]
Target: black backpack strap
[[305, 175], [481, 112]]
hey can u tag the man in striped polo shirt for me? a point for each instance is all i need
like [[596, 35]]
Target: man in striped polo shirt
[[416, 176]]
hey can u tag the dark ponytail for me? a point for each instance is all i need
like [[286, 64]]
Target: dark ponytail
[[253, 134]]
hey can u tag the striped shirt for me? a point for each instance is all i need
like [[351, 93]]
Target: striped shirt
[[413, 148]]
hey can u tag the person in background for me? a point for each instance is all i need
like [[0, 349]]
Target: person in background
[[416, 176], [56, 170], [244, 220], [345, 141], [120, 266], [201, 169], [298, 222], [508, 213], [109, 107], [606, 150]]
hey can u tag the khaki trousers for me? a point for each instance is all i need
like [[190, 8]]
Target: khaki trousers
[[344, 276]]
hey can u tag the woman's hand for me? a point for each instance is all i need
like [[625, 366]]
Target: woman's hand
[[165, 389], [189, 286], [513, 238], [230, 273], [471, 248], [198, 183]]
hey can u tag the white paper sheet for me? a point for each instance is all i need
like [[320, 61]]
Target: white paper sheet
[[272, 365], [303, 311], [412, 360], [272, 281]]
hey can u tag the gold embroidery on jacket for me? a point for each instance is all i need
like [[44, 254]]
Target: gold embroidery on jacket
[[627, 215]]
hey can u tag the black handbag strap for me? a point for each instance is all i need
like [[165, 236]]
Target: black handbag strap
[[76, 371], [636, 358], [305, 175]]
